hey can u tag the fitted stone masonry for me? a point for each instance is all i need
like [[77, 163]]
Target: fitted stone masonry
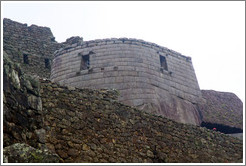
[[148, 76], [30, 46]]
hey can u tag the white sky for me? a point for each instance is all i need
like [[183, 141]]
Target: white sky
[[212, 33]]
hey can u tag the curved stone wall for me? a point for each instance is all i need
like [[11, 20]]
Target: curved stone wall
[[134, 68]]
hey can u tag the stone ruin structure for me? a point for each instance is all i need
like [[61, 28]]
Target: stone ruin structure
[[31, 46], [148, 76], [151, 77], [54, 123]]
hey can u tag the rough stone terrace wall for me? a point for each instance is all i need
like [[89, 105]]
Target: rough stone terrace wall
[[31, 46], [133, 67], [86, 125]]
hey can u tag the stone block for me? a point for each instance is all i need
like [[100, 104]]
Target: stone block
[[110, 74], [97, 81], [118, 41], [35, 102], [98, 74], [127, 42], [41, 133], [129, 78], [109, 80], [119, 79], [120, 64], [129, 68], [110, 42], [118, 86]]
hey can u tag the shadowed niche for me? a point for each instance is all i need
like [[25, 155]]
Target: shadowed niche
[[221, 128]]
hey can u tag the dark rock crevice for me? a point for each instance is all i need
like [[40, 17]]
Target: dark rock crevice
[[221, 128]]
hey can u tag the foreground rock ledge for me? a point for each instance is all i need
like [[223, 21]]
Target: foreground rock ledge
[[23, 153]]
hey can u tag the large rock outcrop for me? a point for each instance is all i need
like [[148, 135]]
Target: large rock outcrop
[[222, 110]]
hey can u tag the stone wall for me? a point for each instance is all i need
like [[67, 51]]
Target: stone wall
[[31, 46], [91, 126], [86, 125], [133, 67], [66, 124], [22, 106]]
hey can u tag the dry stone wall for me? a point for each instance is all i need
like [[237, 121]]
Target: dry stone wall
[[31, 46], [22, 106], [133, 67], [86, 125], [91, 126], [67, 124]]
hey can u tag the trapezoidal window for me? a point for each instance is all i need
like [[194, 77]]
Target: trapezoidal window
[[25, 59], [47, 63], [85, 62], [163, 62]]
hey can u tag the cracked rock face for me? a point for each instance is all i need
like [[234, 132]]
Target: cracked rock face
[[23, 153]]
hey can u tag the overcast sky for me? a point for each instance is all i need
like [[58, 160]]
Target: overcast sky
[[212, 33]]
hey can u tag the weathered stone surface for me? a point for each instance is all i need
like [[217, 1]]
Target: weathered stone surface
[[110, 131], [150, 154], [85, 147], [34, 102], [22, 105], [73, 152], [86, 125], [15, 79], [222, 108], [32, 46], [134, 66], [23, 153], [41, 134]]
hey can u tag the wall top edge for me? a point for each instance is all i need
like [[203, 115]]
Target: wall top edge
[[106, 41]]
